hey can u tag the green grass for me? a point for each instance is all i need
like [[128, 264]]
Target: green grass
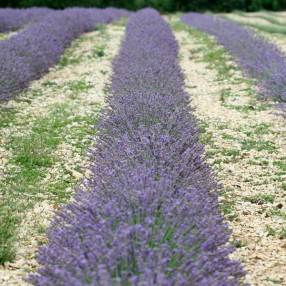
[[219, 60], [262, 15], [258, 145], [257, 130], [98, 52], [281, 164], [214, 55], [225, 94], [101, 28], [270, 231], [272, 19], [260, 199], [282, 233], [274, 26], [227, 207], [273, 281], [205, 135], [238, 243], [4, 36], [122, 22], [271, 29], [261, 129], [277, 212], [36, 169], [259, 162], [67, 60], [7, 116], [33, 157], [79, 86], [248, 108], [71, 58], [8, 220], [50, 84], [226, 136]]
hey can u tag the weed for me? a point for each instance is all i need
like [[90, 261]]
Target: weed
[[7, 116], [33, 156], [270, 231], [281, 165], [282, 234], [258, 145], [98, 52], [79, 86], [260, 199]]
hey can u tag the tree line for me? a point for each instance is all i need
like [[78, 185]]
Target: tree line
[[162, 5]]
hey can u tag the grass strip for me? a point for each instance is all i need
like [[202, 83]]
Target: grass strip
[[34, 156], [46, 132]]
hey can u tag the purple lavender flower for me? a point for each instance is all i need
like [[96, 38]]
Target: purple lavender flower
[[257, 57], [29, 54], [149, 214], [14, 19]]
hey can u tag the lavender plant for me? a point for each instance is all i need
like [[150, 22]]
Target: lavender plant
[[258, 58], [29, 54], [149, 213], [14, 19]]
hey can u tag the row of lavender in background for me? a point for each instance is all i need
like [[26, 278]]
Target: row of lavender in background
[[258, 58], [15, 19], [30, 53], [151, 215]]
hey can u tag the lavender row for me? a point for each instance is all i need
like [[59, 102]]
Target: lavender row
[[14, 19], [30, 53], [149, 214], [258, 58]]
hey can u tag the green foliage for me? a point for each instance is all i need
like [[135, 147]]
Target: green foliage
[[162, 5], [255, 5]]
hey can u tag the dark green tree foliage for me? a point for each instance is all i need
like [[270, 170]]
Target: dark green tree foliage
[[162, 5]]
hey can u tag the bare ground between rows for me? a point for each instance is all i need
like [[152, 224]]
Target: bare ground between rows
[[245, 145], [278, 39]]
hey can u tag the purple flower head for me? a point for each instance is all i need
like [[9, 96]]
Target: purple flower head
[[14, 19], [30, 53], [258, 58], [150, 214]]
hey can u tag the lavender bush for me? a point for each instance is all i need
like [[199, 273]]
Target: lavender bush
[[257, 57], [14, 19], [149, 214], [29, 54]]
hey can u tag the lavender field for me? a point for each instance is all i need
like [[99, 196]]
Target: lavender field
[[142, 149]]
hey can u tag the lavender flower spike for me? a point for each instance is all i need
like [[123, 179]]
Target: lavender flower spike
[[30, 53], [14, 19], [150, 215], [258, 58]]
